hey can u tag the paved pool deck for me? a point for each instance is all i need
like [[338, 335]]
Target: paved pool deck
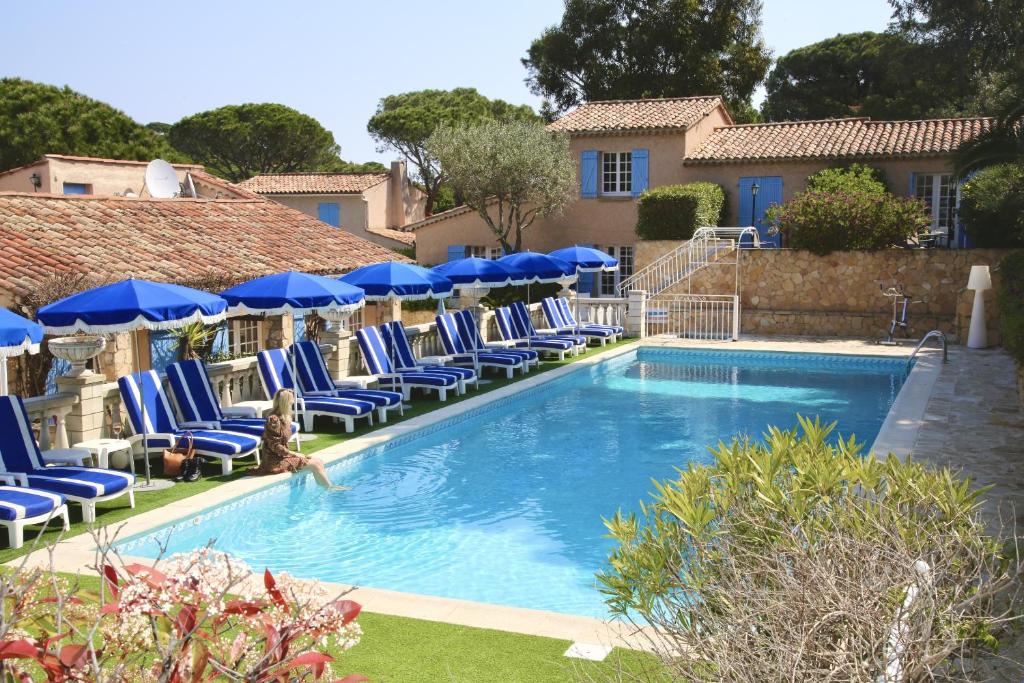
[[964, 414]]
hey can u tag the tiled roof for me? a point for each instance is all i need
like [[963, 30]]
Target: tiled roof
[[397, 235], [438, 217], [313, 183], [170, 240], [858, 138], [612, 116]]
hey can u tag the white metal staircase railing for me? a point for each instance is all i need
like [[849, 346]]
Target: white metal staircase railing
[[692, 255]]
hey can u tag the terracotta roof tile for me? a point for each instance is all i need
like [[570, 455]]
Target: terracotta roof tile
[[858, 138], [612, 116], [170, 240], [313, 183], [397, 235]]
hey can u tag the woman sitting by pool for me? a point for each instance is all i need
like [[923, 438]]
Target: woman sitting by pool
[[275, 456]]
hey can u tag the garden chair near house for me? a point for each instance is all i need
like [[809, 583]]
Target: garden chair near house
[[316, 380], [379, 363], [401, 353], [462, 354]]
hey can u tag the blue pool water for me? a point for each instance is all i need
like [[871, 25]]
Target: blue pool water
[[504, 505]]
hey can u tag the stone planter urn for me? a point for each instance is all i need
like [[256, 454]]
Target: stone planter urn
[[77, 350]]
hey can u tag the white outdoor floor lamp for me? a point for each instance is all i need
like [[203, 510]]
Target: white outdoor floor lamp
[[979, 281]]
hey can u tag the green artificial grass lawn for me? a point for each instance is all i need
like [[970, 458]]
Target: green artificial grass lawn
[[398, 649], [327, 434]]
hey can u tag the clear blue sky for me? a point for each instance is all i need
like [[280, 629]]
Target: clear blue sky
[[159, 61]]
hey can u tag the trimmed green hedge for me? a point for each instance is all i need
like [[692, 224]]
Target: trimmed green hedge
[[674, 212], [1011, 304], [852, 179]]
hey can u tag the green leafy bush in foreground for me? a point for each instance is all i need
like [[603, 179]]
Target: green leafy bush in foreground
[[797, 559], [674, 212], [822, 222], [856, 178]]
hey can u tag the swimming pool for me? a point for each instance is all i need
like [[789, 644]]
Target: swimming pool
[[504, 504]]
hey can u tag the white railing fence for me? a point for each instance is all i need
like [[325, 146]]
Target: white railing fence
[[607, 311], [48, 415], [694, 316]]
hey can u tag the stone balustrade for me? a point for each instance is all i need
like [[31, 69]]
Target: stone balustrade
[[51, 412]]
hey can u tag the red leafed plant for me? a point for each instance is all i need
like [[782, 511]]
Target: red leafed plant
[[190, 618]]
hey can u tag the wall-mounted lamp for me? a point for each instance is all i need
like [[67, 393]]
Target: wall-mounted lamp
[[36, 181], [753, 203]]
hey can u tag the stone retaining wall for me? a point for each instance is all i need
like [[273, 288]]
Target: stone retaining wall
[[795, 292]]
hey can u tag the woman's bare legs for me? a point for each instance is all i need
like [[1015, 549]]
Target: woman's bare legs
[[319, 473]]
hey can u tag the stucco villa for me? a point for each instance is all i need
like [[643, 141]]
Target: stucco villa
[[197, 242], [624, 147], [72, 175], [373, 206]]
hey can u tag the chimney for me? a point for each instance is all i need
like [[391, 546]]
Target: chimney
[[396, 195]]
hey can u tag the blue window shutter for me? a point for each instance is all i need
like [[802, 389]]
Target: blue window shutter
[[640, 172], [299, 327], [588, 173], [456, 251], [913, 184], [163, 349], [329, 213], [588, 281], [220, 341], [76, 188]]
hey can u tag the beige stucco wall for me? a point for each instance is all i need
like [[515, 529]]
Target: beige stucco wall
[[353, 208], [105, 178], [795, 292], [610, 221], [794, 177]]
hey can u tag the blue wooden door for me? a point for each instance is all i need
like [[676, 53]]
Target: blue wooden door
[[329, 213], [163, 349], [752, 209]]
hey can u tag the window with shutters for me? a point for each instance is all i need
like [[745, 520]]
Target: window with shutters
[[610, 280], [480, 251], [616, 173], [244, 337], [938, 192]]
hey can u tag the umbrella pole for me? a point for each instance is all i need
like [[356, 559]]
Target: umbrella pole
[[295, 390], [3, 375], [142, 400]]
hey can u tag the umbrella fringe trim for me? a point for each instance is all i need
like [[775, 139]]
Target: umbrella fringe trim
[[141, 322]]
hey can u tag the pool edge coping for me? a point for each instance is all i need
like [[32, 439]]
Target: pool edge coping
[[76, 554]]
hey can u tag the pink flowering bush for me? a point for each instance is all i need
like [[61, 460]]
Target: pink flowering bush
[[203, 616], [824, 221]]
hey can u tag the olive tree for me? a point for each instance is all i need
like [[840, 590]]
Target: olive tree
[[510, 173], [801, 559]]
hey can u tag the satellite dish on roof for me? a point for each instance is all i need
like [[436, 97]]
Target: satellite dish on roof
[[162, 180]]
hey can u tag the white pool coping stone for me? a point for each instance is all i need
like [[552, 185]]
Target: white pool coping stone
[[78, 554]]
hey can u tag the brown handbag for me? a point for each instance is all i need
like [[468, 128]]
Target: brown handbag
[[176, 455]]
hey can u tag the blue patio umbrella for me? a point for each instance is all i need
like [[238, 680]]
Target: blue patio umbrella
[[293, 292], [540, 268], [17, 336], [399, 282], [586, 260], [480, 273], [127, 306]]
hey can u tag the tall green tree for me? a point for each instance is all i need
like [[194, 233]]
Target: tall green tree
[[510, 173], [404, 122], [622, 49], [879, 75], [978, 42], [38, 119], [240, 141]]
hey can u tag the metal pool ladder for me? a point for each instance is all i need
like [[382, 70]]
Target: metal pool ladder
[[934, 333]]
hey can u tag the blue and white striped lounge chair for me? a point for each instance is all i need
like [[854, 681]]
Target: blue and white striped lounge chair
[[570, 319], [316, 381], [448, 331], [161, 427], [526, 330], [275, 370], [561, 326], [21, 460], [198, 404], [401, 354], [20, 507], [379, 364], [469, 332], [507, 329]]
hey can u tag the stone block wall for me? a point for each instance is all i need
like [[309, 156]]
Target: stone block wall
[[783, 291]]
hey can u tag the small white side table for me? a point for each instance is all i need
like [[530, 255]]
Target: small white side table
[[67, 456], [355, 382], [102, 448], [248, 409]]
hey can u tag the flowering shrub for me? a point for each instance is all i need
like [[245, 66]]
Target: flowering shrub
[[198, 617], [823, 222]]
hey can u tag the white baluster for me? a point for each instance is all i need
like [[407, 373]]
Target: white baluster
[[62, 431], [44, 431]]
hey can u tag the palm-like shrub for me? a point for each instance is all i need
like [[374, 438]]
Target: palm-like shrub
[[802, 559]]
